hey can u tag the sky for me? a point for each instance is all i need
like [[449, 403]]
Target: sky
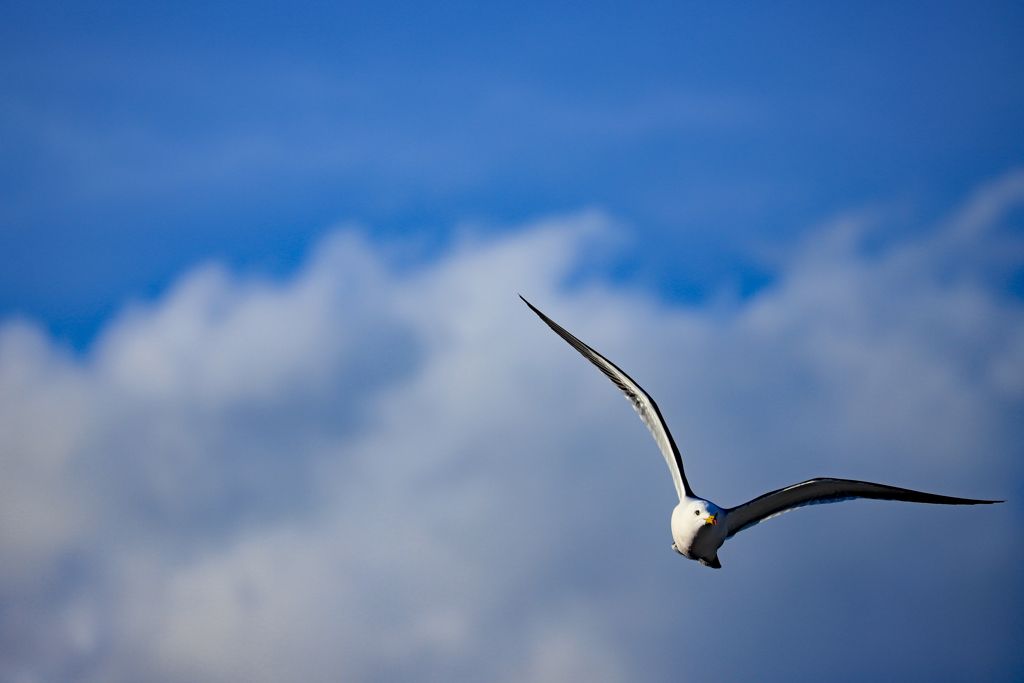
[[271, 409]]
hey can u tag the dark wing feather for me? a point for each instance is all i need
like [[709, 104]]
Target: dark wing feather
[[644, 405], [818, 491]]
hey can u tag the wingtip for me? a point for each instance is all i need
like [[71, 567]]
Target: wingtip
[[532, 307]]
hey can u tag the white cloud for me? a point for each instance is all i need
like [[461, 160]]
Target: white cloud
[[364, 474]]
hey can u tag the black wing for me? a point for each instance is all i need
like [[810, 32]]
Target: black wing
[[644, 405], [818, 491]]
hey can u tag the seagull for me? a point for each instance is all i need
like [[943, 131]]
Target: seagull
[[699, 527]]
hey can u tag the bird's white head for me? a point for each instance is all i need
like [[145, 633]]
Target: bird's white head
[[697, 521], [702, 512]]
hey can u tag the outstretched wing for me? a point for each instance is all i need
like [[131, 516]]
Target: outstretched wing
[[644, 405], [818, 491]]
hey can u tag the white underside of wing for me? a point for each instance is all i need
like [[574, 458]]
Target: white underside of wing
[[642, 403], [642, 406]]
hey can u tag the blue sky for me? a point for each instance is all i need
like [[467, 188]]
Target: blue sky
[[140, 139], [270, 408]]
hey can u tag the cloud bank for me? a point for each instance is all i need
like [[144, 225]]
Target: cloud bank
[[366, 473]]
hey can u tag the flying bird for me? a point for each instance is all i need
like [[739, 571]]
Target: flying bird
[[699, 527]]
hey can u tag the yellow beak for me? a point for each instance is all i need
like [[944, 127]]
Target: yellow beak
[[711, 520]]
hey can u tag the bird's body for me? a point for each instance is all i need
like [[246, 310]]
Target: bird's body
[[699, 527]]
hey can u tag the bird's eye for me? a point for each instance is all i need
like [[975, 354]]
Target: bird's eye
[[696, 512]]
